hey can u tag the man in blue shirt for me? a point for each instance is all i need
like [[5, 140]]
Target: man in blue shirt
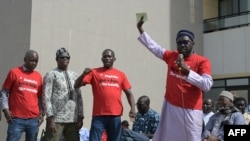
[[147, 120]]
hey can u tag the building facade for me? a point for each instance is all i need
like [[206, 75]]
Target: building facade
[[227, 44]]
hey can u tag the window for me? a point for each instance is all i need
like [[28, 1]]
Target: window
[[238, 86], [230, 7]]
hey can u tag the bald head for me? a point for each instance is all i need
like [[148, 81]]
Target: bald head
[[31, 60], [30, 53]]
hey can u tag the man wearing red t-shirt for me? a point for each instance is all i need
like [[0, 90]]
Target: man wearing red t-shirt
[[188, 75], [107, 86], [21, 99]]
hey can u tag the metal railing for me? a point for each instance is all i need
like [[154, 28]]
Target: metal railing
[[226, 22]]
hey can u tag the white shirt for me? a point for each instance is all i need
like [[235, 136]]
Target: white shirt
[[207, 116]]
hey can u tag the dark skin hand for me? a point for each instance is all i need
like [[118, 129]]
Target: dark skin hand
[[182, 66], [211, 138], [139, 25], [79, 123], [51, 124], [130, 98], [8, 115], [78, 82]]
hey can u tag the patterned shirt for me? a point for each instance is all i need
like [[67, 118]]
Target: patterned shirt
[[56, 97], [146, 123]]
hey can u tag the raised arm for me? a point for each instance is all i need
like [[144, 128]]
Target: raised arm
[[78, 82], [149, 43]]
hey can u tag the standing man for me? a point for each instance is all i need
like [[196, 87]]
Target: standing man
[[188, 75], [207, 109], [64, 112], [21, 96], [107, 85]]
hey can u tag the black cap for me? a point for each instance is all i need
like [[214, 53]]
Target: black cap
[[60, 51]]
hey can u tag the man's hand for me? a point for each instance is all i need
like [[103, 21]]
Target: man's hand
[[139, 25], [86, 71], [213, 138], [182, 66], [78, 82], [51, 124], [8, 115], [132, 115], [79, 123]]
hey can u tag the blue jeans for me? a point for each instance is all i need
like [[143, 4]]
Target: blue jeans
[[112, 125], [18, 126]]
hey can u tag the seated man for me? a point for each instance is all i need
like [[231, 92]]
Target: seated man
[[241, 104], [227, 115], [147, 120]]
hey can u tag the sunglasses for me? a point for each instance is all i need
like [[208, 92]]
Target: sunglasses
[[184, 42], [64, 57]]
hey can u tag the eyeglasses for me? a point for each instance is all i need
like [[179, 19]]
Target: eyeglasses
[[64, 57], [183, 42]]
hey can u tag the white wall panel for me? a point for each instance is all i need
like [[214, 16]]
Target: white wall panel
[[229, 51], [234, 51], [214, 51]]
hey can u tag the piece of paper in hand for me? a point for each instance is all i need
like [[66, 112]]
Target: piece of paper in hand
[[139, 15]]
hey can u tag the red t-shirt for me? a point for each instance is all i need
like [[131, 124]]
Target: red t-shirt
[[24, 88], [192, 95], [107, 86]]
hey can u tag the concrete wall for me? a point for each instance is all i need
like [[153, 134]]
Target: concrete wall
[[87, 27], [14, 33], [187, 15], [15, 29]]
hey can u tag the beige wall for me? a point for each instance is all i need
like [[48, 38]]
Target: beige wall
[[87, 27], [210, 9], [15, 29], [187, 15]]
